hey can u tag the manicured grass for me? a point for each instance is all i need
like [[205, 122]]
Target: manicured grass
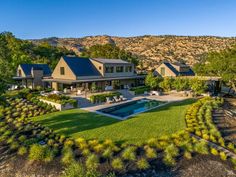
[[79, 123]]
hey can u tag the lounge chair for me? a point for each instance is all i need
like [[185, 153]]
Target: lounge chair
[[155, 93], [116, 99], [109, 100], [122, 98], [79, 92]]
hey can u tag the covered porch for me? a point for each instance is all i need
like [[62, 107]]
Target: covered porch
[[94, 85]]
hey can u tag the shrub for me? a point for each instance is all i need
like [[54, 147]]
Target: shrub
[[187, 155], [22, 138], [169, 160], [172, 150], [214, 151], [142, 164], [223, 156], [22, 150], [14, 145], [36, 152], [67, 156], [78, 170], [117, 164], [150, 153], [102, 97], [201, 147], [108, 153], [140, 89], [129, 153], [92, 161]]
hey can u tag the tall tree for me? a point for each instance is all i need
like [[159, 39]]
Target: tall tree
[[222, 64]]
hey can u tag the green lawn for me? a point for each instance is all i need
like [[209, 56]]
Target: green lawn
[[79, 123]]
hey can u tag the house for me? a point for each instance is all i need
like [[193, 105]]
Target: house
[[77, 73], [31, 75], [173, 70]]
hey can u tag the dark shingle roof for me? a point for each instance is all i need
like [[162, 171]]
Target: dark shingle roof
[[177, 73], [28, 67], [81, 66]]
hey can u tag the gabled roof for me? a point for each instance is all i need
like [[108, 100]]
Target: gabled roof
[[177, 73], [28, 67], [110, 61], [81, 66]]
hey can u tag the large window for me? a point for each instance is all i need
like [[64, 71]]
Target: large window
[[163, 71], [62, 70], [109, 69], [128, 69], [119, 69]]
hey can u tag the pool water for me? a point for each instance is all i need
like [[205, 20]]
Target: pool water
[[133, 107]]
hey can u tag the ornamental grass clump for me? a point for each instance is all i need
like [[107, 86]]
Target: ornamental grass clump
[[150, 153], [22, 150], [214, 151], [67, 156], [201, 147], [129, 153], [92, 161], [142, 164], [108, 153], [223, 156], [117, 164]]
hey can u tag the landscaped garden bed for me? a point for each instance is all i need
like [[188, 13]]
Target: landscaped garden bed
[[44, 140], [100, 98], [139, 90], [61, 102]]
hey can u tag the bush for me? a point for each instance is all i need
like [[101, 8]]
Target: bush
[[150, 153], [140, 89], [108, 153], [78, 170], [201, 147], [36, 152], [22, 150], [223, 156], [102, 97], [14, 145], [142, 164], [187, 155], [129, 153], [214, 151], [117, 164], [92, 161], [67, 156]]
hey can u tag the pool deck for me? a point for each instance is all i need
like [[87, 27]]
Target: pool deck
[[173, 97]]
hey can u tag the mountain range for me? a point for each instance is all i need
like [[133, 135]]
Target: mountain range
[[151, 50]]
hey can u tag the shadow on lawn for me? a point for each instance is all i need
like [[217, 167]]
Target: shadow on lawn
[[76, 122]]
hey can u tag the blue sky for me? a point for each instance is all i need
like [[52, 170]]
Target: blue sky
[[29, 19]]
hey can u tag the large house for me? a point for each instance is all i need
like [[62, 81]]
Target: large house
[[173, 70], [84, 73], [31, 75]]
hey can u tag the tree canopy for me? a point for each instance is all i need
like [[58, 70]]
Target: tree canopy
[[109, 51], [14, 51], [222, 64]]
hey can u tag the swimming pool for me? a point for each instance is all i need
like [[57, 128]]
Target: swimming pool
[[125, 110]]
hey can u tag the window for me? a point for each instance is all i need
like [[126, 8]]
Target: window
[[62, 70], [162, 71], [109, 69], [19, 73], [99, 67], [119, 69], [128, 69]]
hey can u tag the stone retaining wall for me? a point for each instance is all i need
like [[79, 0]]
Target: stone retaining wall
[[58, 106]]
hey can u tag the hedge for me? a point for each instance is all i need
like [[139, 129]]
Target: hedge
[[140, 89], [102, 97]]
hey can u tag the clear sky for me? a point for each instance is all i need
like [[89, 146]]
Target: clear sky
[[29, 19]]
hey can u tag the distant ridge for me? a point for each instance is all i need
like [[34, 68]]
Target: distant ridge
[[151, 49]]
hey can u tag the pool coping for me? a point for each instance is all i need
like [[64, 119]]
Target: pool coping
[[124, 118]]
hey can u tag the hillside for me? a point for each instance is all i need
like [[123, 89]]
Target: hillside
[[151, 49]]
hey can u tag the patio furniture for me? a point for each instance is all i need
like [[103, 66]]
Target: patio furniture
[[123, 98], [155, 93], [116, 99], [109, 100], [79, 92]]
